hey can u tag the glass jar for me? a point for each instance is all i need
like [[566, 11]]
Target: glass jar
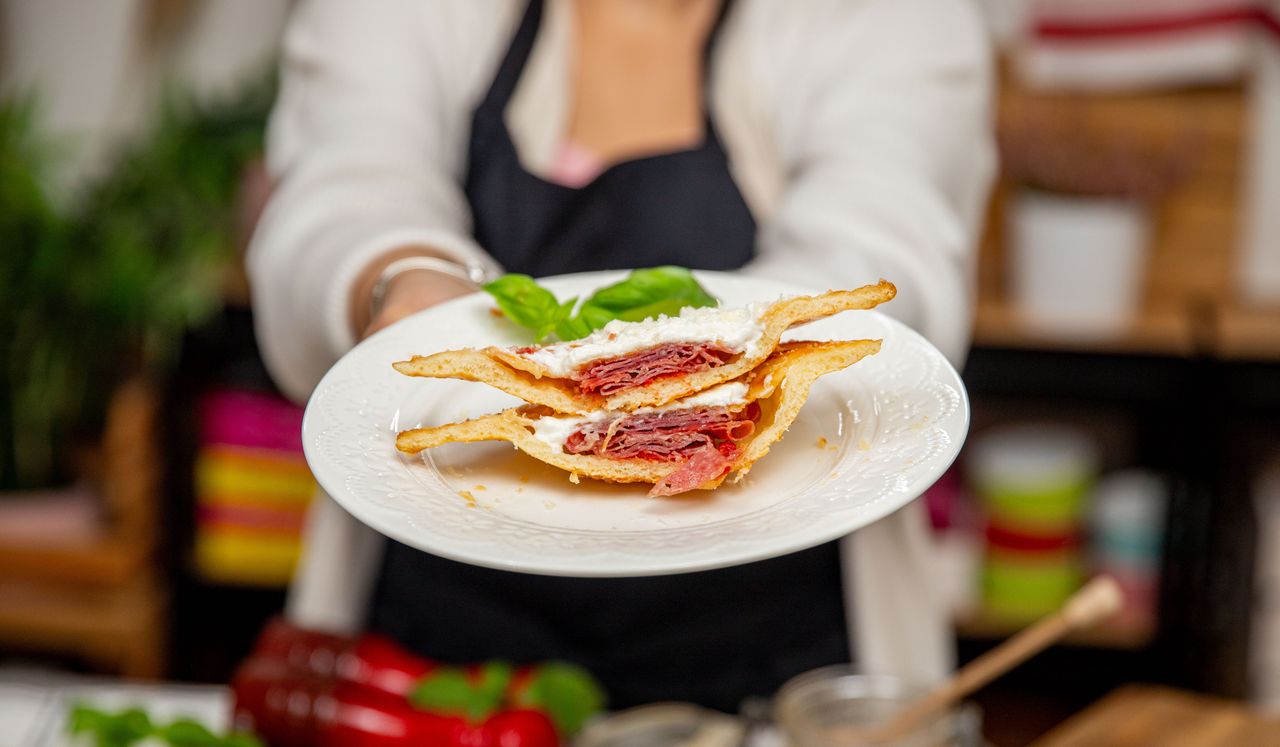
[[835, 706]]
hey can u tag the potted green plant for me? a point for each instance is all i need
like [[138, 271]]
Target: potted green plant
[[102, 289]]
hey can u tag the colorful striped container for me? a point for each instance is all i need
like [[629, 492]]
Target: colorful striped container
[[252, 488], [1033, 481]]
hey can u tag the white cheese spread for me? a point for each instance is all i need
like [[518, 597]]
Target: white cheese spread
[[738, 329], [733, 393]]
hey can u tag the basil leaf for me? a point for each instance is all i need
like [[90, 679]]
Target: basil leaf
[[453, 691], [573, 329], [445, 691], [495, 676], [110, 729], [562, 316], [649, 293], [566, 692], [595, 317], [128, 727], [83, 718], [643, 294], [525, 302], [186, 732]]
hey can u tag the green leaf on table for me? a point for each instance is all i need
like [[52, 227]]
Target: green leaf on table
[[133, 725], [187, 732], [110, 729], [565, 692]]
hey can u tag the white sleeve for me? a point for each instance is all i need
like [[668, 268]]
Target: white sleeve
[[882, 124], [335, 578], [366, 148]]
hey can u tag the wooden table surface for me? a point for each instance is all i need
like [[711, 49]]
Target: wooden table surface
[[1142, 716]]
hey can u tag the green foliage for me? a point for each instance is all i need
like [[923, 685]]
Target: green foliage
[[451, 690], [107, 286], [528, 304], [133, 725], [643, 294], [565, 692]]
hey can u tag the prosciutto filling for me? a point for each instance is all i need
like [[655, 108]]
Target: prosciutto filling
[[703, 439], [612, 375]]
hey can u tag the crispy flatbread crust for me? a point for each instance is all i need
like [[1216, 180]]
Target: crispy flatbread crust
[[531, 382], [780, 385]]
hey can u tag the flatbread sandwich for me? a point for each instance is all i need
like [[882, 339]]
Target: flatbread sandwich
[[679, 402]]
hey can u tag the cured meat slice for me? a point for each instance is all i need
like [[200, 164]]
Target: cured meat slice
[[663, 436], [702, 439], [704, 465], [613, 375]]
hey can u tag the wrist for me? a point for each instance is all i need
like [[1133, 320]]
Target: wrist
[[416, 271], [449, 270]]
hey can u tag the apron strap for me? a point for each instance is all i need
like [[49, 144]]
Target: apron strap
[[508, 76]]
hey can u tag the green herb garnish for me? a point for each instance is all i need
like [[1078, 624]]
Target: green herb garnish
[[133, 725], [454, 691], [643, 294], [567, 693]]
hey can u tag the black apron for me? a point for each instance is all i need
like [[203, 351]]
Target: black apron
[[712, 637]]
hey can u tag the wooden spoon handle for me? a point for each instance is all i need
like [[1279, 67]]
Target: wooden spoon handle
[[1096, 601]]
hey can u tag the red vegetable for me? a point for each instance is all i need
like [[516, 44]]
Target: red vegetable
[[380, 663], [372, 660], [520, 728], [277, 702], [358, 716], [303, 688]]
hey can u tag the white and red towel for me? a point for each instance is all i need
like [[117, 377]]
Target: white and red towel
[[1112, 45]]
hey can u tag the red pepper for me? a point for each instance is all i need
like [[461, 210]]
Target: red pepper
[[306, 650], [305, 688], [357, 716], [371, 660], [516, 728], [277, 702], [293, 708], [520, 728], [380, 663]]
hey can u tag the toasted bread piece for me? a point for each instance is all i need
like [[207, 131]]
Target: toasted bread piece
[[530, 381], [780, 386]]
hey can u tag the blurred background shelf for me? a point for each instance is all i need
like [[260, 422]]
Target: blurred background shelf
[[1247, 333], [1161, 331]]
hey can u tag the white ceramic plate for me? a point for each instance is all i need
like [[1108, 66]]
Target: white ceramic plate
[[870, 439]]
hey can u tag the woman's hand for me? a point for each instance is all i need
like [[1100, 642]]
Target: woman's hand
[[409, 292]]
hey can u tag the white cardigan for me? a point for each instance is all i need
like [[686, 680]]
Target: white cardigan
[[857, 130]]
